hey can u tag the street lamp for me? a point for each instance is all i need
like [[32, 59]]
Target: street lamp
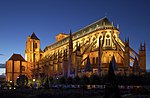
[[33, 80]]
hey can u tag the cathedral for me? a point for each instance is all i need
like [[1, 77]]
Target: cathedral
[[85, 52]]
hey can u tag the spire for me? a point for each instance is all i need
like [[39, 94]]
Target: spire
[[70, 54], [144, 46], [125, 40], [111, 75], [117, 26], [88, 65], [141, 46], [114, 65], [111, 89], [70, 41], [33, 36], [128, 40], [112, 23]]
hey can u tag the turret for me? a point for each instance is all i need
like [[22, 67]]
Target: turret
[[142, 57]]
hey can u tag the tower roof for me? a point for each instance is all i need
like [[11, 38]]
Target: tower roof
[[16, 57], [33, 36]]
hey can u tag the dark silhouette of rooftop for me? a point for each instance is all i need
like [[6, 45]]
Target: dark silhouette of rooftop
[[33, 36], [16, 57]]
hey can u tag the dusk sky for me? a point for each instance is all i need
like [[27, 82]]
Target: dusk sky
[[47, 18]]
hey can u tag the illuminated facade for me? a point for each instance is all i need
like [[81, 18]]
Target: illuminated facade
[[15, 66], [89, 50], [33, 53]]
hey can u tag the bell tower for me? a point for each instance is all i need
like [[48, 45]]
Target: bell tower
[[32, 52]]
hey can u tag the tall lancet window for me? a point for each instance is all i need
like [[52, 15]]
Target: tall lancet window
[[101, 40], [115, 39], [107, 40]]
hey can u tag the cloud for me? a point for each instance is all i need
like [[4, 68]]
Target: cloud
[[2, 66]]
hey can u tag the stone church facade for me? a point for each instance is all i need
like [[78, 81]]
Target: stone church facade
[[86, 51]]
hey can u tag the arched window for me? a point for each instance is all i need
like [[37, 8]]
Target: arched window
[[35, 46], [101, 40], [86, 43], [107, 40]]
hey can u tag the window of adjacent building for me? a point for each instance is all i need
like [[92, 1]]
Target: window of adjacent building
[[35, 45], [23, 68], [96, 60], [93, 60]]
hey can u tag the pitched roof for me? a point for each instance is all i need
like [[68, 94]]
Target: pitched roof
[[33, 36], [100, 24], [106, 22], [16, 57]]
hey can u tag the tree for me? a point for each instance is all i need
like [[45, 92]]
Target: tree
[[69, 80], [76, 80], [111, 89], [94, 79], [22, 81], [62, 80], [51, 79], [84, 80], [46, 84]]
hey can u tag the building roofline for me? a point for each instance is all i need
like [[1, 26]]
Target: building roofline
[[86, 27]]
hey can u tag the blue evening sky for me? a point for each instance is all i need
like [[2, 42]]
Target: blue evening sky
[[47, 18]]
